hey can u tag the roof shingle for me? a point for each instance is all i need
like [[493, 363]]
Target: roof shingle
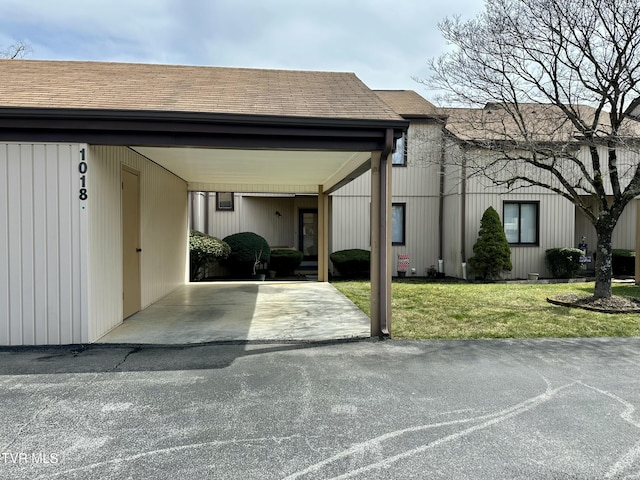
[[408, 103], [178, 88]]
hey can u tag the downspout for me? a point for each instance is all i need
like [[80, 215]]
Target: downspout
[[384, 268], [207, 197], [441, 206], [463, 214], [192, 205]]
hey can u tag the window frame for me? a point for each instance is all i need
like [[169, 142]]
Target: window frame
[[402, 139], [404, 223], [519, 203], [225, 209]]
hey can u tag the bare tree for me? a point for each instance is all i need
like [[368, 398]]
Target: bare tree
[[556, 80], [17, 50]]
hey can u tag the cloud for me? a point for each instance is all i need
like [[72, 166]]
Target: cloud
[[384, 43]]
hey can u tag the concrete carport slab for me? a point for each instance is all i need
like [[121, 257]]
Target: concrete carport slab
[[245, 311]]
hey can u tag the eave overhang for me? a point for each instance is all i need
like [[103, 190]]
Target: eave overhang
[[195, 129]]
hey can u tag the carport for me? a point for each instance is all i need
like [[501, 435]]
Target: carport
[[215, 129]]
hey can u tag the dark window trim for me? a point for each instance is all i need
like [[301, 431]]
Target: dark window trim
[[404, 223], [225, 209], [536, 243], [404, 153]]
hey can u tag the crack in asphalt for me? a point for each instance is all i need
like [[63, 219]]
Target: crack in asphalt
[[130, 352]]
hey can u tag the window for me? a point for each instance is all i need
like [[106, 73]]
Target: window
[[224, 201], [398, 223], [521, 222], [399, 157]]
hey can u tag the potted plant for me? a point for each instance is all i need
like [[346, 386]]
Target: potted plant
[[403, 264], [256, 264]]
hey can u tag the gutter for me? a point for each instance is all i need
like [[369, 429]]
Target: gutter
[[17, 113]]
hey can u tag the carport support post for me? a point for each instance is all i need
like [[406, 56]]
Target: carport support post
[[380, 244], [323, 235], [637, 242]]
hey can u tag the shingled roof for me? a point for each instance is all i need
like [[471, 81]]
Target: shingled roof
[[544, 123], [176, 88], [409, 104]]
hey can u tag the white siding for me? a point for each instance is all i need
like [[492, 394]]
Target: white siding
[[163, 233], [105, 238], [43, 248]]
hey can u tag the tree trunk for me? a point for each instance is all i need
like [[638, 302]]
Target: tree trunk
[[603, 265]]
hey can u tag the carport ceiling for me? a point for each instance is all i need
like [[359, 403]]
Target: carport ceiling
[[296, 171]]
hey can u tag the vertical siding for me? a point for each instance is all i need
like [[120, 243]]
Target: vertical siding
[[163, 234], [256, 213], [421, 242], [221, 223], [351, 223], [452, 248], [419, 177], [43, 284], [627, 162], [416, 185], [259, 216], [557, 218], [105, 239], [624, 235]]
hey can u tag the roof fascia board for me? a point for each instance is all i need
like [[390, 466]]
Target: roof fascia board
[[185, 129], [196, 117]]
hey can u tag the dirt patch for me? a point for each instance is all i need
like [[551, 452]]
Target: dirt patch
[[615, 304]]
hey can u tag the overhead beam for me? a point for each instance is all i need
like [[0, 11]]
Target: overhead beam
[[156, 128]]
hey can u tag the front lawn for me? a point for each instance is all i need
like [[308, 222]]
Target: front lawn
[[461, 310]]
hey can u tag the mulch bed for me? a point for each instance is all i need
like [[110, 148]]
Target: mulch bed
[[615, 304]]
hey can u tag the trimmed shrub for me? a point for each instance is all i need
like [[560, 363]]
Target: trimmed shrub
[[623, 261], [492, 254], [354, 263], [563, 262], [204, 250], [285, 260], [244, 248]]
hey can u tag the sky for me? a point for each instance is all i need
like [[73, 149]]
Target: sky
[[385, 43]]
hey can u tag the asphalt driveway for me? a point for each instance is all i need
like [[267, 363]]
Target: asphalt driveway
[[488, 409]]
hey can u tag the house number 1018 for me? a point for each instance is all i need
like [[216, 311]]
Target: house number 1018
[[82, 168]]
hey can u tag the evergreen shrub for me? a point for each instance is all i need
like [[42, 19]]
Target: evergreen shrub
[[244, 248], [285, 260], [623, 261], [353, 263], [563, 262], [491, 252], [204, 250]]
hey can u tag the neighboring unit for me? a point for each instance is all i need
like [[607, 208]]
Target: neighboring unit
[[437, 203]]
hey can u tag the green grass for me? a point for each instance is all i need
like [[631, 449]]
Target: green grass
[[461, 310]]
